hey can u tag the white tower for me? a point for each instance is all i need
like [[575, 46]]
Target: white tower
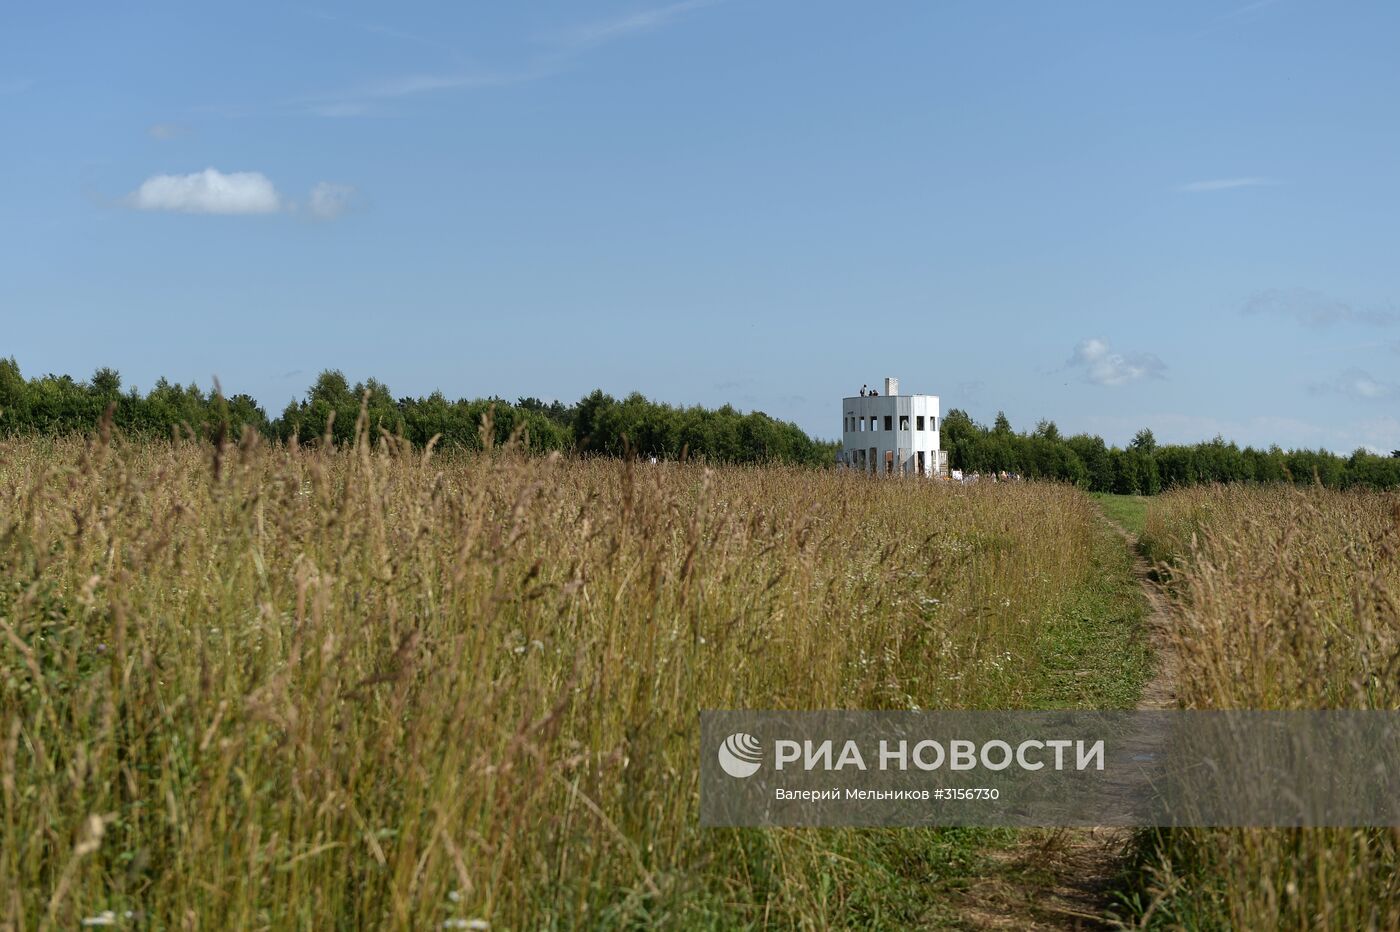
[[891, 434]]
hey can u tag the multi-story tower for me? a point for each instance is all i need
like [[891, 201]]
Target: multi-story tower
[[891, 434]]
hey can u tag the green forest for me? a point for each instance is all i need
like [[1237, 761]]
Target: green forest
[[597, 424], [1145, 467], [602, 424]]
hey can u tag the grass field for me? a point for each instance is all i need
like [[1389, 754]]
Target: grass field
[[1128, 510], [273, 688], [1288, 599], [270, 687]]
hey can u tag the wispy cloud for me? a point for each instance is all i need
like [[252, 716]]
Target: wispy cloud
[[970, 391], [556, 52], [167, 131], [1225, 184], [365, 99], [1249, 9], [336, 108], [232, 194], [369, 96], [601, 31], [1316, 310], [329, 200], [1102, 366], [1358, 385], [1377, 433], [389, 32], [1246, 13]]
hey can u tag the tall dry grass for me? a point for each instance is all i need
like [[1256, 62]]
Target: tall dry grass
[[374, 688], [1288, 599]]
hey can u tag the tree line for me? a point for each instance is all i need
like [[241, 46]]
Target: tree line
[[597, 423], [602, 424], [1145, 467]]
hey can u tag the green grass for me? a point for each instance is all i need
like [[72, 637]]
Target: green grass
[[1094, 654], [1091, 653], [1128, 510]]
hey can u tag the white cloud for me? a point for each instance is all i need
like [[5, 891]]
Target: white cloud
[[1224, 184], [214, 192], [208, 192], [329, 200], [1102, 366], [1316, 310], [1358, 385]]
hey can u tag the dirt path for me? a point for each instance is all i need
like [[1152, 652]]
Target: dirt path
[[1160, 691], [1062, 878]]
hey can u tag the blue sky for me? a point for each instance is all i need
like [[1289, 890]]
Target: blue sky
[[1178, 215]]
